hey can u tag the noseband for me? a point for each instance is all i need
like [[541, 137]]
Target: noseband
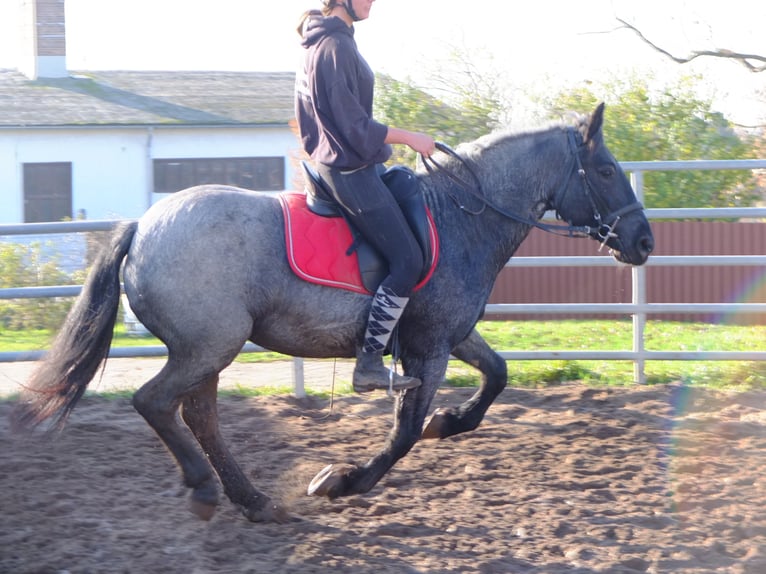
[[605, 225]]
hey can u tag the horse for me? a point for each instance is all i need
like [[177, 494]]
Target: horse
[[205, 270]]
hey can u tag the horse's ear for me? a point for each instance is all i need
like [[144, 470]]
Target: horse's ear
[[595, 124]]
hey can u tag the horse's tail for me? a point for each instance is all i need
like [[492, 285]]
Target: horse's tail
[[82, 344]]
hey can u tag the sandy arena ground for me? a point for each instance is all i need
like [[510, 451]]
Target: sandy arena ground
[[560, 479]]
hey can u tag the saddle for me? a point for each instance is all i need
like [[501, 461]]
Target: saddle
[[323, 246]]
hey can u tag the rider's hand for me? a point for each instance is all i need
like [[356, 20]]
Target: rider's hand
[[422, 143]]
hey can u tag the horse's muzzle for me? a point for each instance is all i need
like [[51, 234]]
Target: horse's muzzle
[[638, 253]]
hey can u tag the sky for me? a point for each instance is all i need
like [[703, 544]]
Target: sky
[[530, 46]]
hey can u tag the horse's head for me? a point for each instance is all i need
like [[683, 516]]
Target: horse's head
[[598, 195]]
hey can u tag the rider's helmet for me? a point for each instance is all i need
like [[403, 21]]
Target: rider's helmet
[[347, 5]]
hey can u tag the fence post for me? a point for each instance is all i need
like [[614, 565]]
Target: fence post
[[639, 323], [638, 297], [298, 378]]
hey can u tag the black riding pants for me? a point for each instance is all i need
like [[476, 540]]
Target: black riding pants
[[376, 214]]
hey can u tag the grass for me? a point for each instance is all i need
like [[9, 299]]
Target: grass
[[616, 335], [559, 335]]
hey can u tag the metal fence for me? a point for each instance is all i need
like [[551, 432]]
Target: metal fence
[[638, 308]]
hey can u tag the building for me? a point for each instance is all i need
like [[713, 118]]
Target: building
[[104, 145]]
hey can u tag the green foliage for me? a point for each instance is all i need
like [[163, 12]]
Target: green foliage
[[670, 124], [24, 266], [643, 124], [402, 105]]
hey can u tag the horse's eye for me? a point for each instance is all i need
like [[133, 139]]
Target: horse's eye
[[606, 171]]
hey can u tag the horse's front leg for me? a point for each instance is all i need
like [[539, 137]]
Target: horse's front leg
[[475, 351], [410, 410]]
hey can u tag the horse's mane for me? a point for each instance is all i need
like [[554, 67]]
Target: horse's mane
[[508, 149], [570, 119]]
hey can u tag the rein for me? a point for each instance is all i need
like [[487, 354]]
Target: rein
[[605, 225]]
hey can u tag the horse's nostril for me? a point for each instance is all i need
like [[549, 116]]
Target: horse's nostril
[[646, 244]]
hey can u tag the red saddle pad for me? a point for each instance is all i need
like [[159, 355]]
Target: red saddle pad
[[317, 246]]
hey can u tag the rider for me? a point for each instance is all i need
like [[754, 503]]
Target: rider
[[333, 107]]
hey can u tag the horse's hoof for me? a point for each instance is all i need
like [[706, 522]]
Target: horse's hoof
[[203, 510], [435, 426], [269, 513], [204, 499], [329, 481]]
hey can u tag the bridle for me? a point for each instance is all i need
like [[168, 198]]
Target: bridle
[[605, 225]]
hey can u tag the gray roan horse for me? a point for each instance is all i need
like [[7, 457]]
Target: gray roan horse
[[206, 270]]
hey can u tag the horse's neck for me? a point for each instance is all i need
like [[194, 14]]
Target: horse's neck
[[519, 173], [522, 172], [483, 236]]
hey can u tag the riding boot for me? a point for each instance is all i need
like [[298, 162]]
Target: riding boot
[[369, 373]]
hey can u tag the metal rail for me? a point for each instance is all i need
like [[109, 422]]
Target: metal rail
[[638, 309]]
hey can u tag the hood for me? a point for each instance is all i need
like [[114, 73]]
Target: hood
[[318, 27]]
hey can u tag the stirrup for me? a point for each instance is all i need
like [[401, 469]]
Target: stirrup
[[395, 382], [393, 375]]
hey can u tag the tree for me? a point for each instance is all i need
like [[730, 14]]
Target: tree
[[753, 62], [705, 32], [30, 266], [671, 124], [403, 105]]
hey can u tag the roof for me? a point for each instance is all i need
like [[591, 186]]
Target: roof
[[128, 98]]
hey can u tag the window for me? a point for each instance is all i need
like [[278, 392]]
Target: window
[[257, 173], [47, 191]]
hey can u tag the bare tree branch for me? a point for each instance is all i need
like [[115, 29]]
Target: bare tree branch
[[747, 60]]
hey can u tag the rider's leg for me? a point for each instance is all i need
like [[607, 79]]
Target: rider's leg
[[376, 214], [370, 374]]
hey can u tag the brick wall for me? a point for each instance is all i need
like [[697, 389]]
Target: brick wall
[[51, 36], [43, 39]]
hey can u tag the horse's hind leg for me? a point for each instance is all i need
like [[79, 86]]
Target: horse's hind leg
[[158, 402], [201, 415], [475, 351]]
